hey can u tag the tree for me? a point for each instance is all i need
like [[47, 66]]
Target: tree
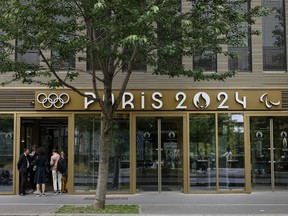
[[116, 35]]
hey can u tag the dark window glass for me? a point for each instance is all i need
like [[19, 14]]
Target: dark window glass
[[207, 61], [62, 64], [274, 41], [30, 56], [6, 153], [242, 59], [62, 59], [137, 65], [87, 154]]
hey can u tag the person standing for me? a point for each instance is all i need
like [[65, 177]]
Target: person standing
[[228, 156], [62, 168], [56, 175], [42, 165], [32, 157], [23, 167]]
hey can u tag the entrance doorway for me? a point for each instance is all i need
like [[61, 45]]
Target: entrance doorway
[[159, 154], [269, 153], [46, 132]]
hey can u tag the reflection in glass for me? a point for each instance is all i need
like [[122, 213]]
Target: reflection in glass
[[274, 41], [6, 152], [159, 141], [266, 148], [260, 153], [202, 152], [31, 56], [242, 60], [207, 61], [231, 151], [86, 155], [280, 148]]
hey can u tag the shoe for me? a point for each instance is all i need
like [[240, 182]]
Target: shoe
[[43, 195], [38, 195], [22, 194], [59, 192], [55, 193]]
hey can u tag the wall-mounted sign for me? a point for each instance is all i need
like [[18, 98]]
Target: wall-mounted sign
[[135, 100]]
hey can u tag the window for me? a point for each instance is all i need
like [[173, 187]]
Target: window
[[207, 61], [6, 153], [242, 60], [63, 58], [61, 64], [87, 152], [274, 41], [231, 151], [202, 152], [30, 56], [137, 65]]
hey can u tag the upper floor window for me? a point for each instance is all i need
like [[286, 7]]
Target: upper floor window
[[207, 61], [30, 56], [274, 40], [136, 66], [242, 60], [62, 64]]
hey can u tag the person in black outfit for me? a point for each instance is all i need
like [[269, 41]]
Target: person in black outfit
[[23, 167], [32, 157], [42, 166]]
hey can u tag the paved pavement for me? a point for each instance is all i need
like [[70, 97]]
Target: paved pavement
[[153, 204]]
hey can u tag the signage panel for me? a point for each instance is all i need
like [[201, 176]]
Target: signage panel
[[164, 100]]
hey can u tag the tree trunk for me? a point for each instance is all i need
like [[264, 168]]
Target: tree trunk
[[105, 143]]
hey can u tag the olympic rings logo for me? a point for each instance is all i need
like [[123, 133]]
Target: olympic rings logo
[[53, 99]]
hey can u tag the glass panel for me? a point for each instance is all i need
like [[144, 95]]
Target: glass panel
[[280, 132], [137, 65], [149, 176], [6, 153], [146, 154], [87, 138], [29, 57], [62, 64], [260, 153], [202, 152], [119, 163], [54, 136], [171, 154], [274, 41], [86, 152], [207, 61], [242, 60], [231, 151]]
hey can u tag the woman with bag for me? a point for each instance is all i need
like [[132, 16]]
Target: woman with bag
[[41, 163]]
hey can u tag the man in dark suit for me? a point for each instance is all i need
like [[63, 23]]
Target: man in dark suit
[[23, 167]]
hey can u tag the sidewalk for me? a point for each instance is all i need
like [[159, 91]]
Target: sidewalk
[[168, 203]]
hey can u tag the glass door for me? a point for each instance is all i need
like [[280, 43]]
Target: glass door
[[46, 132], [159, 154], [269, 153]]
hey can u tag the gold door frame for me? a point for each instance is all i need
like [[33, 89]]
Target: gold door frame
[[17, 140], [248, 115], [185, 152]]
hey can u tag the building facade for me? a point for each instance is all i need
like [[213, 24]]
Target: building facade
[[169, 134]]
